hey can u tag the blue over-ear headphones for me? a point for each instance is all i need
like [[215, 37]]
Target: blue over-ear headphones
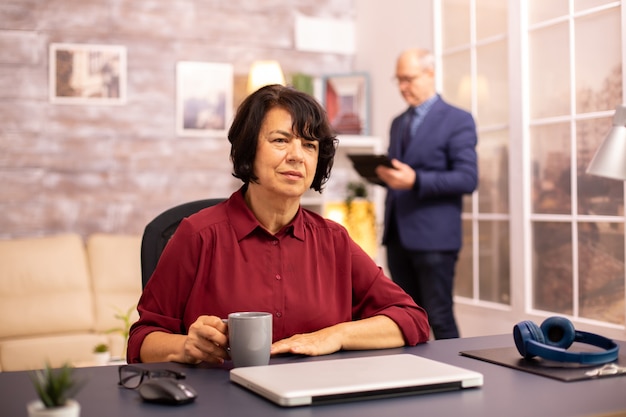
[[555, 335]]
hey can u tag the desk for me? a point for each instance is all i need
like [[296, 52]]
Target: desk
[[506, 392]]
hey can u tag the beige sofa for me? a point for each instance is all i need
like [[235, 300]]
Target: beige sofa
[[59, 296]]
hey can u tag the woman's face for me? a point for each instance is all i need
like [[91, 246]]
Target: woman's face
[[285, 164]]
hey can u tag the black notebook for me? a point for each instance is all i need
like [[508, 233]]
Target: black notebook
[[365, 165], [510, 357]]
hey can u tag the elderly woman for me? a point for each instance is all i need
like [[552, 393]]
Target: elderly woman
[[261, 251]]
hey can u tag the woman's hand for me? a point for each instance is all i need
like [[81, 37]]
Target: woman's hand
[[378, 332], [206, 341], [321, 342]]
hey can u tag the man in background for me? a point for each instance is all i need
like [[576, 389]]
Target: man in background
[[433, 150]]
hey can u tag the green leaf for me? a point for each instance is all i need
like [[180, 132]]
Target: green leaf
[[55, 386]]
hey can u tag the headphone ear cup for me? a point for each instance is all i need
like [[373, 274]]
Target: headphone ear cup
[[524, 332], [558, 332]]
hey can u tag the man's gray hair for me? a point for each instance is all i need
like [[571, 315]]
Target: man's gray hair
[[427, 60]]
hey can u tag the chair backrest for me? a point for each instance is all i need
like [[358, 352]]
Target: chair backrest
[[159, 231]]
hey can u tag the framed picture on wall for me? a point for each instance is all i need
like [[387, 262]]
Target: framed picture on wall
[[87, 74], [204, 98], [346, 99]]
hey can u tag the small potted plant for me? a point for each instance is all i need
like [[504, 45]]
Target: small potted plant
[[124, 329], [101, 354], [55, 389]]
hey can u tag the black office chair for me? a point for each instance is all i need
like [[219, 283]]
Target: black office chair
[[159, 231]]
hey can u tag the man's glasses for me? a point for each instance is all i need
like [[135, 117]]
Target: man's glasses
[[406, 79], [132, 376]]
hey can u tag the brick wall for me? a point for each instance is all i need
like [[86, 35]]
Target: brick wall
[[89, 168]]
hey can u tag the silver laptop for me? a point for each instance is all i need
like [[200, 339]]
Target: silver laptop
[[322, 381]]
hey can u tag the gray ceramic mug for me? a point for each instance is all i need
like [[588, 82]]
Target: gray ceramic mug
[[250, 338]]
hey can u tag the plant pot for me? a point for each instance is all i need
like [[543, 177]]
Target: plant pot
[[37, 409], [101, 358]]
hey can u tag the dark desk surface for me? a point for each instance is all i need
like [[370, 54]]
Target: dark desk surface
[[506, 392]]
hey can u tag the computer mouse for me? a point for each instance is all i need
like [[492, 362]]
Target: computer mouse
[[167, 391]]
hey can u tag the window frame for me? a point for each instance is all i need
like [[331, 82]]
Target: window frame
[[476, 317]]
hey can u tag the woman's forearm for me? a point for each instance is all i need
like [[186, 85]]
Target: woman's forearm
[[378, 332], [163, 347]]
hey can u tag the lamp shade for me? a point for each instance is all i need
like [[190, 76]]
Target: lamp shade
[[264, 73], [610, 158]]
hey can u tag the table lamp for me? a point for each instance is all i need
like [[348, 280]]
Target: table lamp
[[610, 158], [264, 73]]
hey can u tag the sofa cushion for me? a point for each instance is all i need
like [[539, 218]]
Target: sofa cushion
[[33, 352], [115, 264], [45, 286]]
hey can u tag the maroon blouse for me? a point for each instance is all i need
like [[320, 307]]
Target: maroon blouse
[[310, 275]]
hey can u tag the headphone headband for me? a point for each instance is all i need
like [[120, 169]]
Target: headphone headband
[[555, 335]]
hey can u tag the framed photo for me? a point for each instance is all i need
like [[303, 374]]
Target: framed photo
[[87, 74], [346, 99], [204, 98]]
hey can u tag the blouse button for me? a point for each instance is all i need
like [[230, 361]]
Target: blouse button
[[279, 314], [278, 277]]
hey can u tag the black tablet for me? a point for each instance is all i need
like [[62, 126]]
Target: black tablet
[[365, 165]]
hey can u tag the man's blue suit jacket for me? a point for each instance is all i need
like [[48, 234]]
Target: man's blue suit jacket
[[443, 154]]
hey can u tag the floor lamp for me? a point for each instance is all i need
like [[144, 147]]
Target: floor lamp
[[610, 158]]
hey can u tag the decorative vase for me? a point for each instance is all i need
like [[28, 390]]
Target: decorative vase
[[359, 219], [38, 409], [102, 358]]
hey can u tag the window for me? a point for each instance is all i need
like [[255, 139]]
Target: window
[[474, 76], [543, 92], [577, 220]]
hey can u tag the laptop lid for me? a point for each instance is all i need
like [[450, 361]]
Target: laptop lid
[[313, 382]]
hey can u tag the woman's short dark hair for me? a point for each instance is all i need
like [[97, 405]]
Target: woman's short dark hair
[[309, 122]]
